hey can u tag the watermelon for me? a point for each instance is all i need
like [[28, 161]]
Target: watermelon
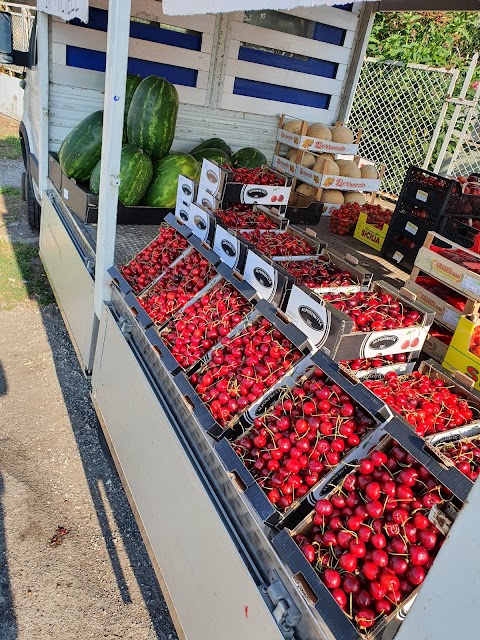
[[248, 157], [213, 143], [136, 172], [81, 149], [132, 84], [162, 191], [152, 116], [217, 155]]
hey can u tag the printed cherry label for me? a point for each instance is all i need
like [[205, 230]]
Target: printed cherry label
[[263, 278], [311, 318], [228, 248]]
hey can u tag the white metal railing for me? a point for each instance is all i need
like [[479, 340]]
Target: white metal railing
[[399, 107]]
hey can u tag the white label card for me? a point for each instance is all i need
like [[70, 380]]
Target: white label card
[[451, 317], [411, 228], [471, 284], [422, 195]]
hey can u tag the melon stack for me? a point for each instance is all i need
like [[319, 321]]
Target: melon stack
[[328, 151]]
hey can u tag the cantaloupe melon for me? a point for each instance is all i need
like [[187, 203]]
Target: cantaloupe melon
[[349, 169], [332, 196], [294, 126], [292, 154], [328, 156], [369, 172], [342, 134], [319, 130], [328, 167], [308, 160], [306, 190], [354, 196]]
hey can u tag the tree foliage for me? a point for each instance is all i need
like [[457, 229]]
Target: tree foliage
[[437, 39]]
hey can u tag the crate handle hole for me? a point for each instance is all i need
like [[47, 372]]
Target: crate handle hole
[[238, 482], [305, 587], [134, 311]]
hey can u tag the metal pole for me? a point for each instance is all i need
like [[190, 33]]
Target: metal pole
[[43, 71], [456, 113], [357, 59], [441, 119], [114, 104]]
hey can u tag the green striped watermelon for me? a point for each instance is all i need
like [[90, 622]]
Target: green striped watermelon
[[162, 191], [217, 155], [136, 172], [132, 84], [152, 116], [248, 157], [81, 149], [213, 143]]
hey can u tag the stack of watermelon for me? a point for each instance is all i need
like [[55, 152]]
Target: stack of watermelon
[[148, 172]]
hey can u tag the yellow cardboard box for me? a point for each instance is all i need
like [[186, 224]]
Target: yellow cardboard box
[[459, 357], [368, 234]]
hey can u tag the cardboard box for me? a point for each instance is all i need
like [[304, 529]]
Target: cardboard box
[[326, 181], [308, 236], [229, 247], [267, 277], [347, 263], [84, 205], [284, 165], [435, 348], [54, 171], [121, 283], [192, 400], [458, 356], [253, 493], [307, 143], [440, 442], [369, 234], [309, 581], [339, 340], [156, 335], [219, 183], [186, 190], [445, 314], [446, 271]]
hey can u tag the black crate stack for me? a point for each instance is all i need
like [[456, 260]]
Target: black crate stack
[[420, 208]]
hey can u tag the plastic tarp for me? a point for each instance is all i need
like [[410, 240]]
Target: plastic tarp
[[190, 7]]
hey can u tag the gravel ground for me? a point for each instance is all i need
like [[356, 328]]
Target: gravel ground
[[72, 561], [98, 583], [11, 173]]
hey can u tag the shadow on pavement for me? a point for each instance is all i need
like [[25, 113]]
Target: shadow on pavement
[[8, 621], [112, 507]]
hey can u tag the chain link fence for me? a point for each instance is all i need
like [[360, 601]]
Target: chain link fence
[[398, 106]]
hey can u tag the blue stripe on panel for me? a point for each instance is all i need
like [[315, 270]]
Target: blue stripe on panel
[[267, 91], [312, 66], [98, 20], [329, 34], [96, 60]]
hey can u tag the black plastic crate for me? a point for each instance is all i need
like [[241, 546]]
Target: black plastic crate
[[305, 215], [426, 189], [408, 213], [462, 205], [458, 231], [401, 247]]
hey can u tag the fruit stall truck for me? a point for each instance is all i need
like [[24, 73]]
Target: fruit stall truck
[[235, 73]]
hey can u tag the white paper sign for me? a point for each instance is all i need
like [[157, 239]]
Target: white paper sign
[[66, 9], [471, 284]]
